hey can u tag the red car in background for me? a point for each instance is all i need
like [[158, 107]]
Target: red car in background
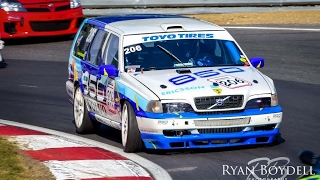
[[26, 18]]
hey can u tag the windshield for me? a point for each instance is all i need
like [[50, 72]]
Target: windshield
[[178, 53]]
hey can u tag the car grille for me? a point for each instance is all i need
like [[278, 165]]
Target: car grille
[[63, 8], [59, 8], [219, 112], [211, 102], [222, 122], [50, 26], [37, 9], [221, 130]]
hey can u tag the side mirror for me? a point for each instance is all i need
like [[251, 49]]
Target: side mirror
[[307, 157], [109, 70], [257, 62]]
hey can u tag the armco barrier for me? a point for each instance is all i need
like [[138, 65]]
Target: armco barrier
[[100, 4]]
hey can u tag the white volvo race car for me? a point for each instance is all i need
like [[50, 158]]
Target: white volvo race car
[[168, 82]]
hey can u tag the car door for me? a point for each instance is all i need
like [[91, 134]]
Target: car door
[[91, 79], [110, 56]]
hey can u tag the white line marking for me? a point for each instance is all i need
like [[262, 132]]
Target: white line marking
[[270, 28], [87, 169], [181, 169], [134, 168], [39, 142], [23, 85], [157, 172]]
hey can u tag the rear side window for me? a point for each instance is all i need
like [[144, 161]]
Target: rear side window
[[112, 49], [95, 51], [85, 37]]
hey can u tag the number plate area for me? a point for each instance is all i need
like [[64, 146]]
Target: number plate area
[[222, 122], [230, 82]]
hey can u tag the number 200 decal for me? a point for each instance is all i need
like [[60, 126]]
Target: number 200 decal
[[203, 74]]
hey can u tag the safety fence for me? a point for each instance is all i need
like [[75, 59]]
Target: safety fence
[[102, 4]]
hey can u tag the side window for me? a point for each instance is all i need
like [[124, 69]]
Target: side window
[[112, 49], [96, 47], [84, 39]]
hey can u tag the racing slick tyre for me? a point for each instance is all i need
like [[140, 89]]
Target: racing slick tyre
[[3, 64], [130, 133], [82, 120]]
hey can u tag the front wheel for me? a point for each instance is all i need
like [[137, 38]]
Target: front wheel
[[81, 115], [130, 133]]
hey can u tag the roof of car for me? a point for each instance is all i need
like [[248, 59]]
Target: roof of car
[[153, 23]]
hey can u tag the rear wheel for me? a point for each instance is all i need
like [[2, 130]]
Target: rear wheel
[[130, 133], [81, 115]]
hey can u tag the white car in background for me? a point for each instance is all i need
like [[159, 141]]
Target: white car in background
[[169, 82], [2, 62]]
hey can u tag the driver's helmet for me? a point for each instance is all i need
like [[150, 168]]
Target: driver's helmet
[[204, 60]]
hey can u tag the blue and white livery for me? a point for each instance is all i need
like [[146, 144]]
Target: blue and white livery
[[168, 82]]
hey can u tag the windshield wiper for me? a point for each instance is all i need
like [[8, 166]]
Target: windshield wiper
[[172, 55]]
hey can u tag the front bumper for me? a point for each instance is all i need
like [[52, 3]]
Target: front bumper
[[178, 133], [27, 24]]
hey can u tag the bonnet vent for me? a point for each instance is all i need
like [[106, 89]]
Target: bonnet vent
[[172, 27]]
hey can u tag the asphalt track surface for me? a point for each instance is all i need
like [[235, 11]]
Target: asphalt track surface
[[32, 91]]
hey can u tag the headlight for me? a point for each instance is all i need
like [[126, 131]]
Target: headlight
[[274, 100], [176, 107], [258, 103], [12, 6], [74, 4], [158, 107], [154, 106]]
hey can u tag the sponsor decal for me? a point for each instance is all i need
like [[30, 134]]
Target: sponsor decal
[[178, 36], [75, 71], [182, 89], [137, 102], [216, 89], [186, 78], [163, 122], [132, 49], [277, 115], [132, 68], [98, 108], [245, 61], [104, 91], [230, 82]]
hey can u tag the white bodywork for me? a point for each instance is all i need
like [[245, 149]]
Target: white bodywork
[[185, 84]]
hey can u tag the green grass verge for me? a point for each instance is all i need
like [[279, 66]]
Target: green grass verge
[[10, 161]]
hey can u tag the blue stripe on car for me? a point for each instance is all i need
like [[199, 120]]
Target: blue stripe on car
[[192, 115], [159, 141]]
